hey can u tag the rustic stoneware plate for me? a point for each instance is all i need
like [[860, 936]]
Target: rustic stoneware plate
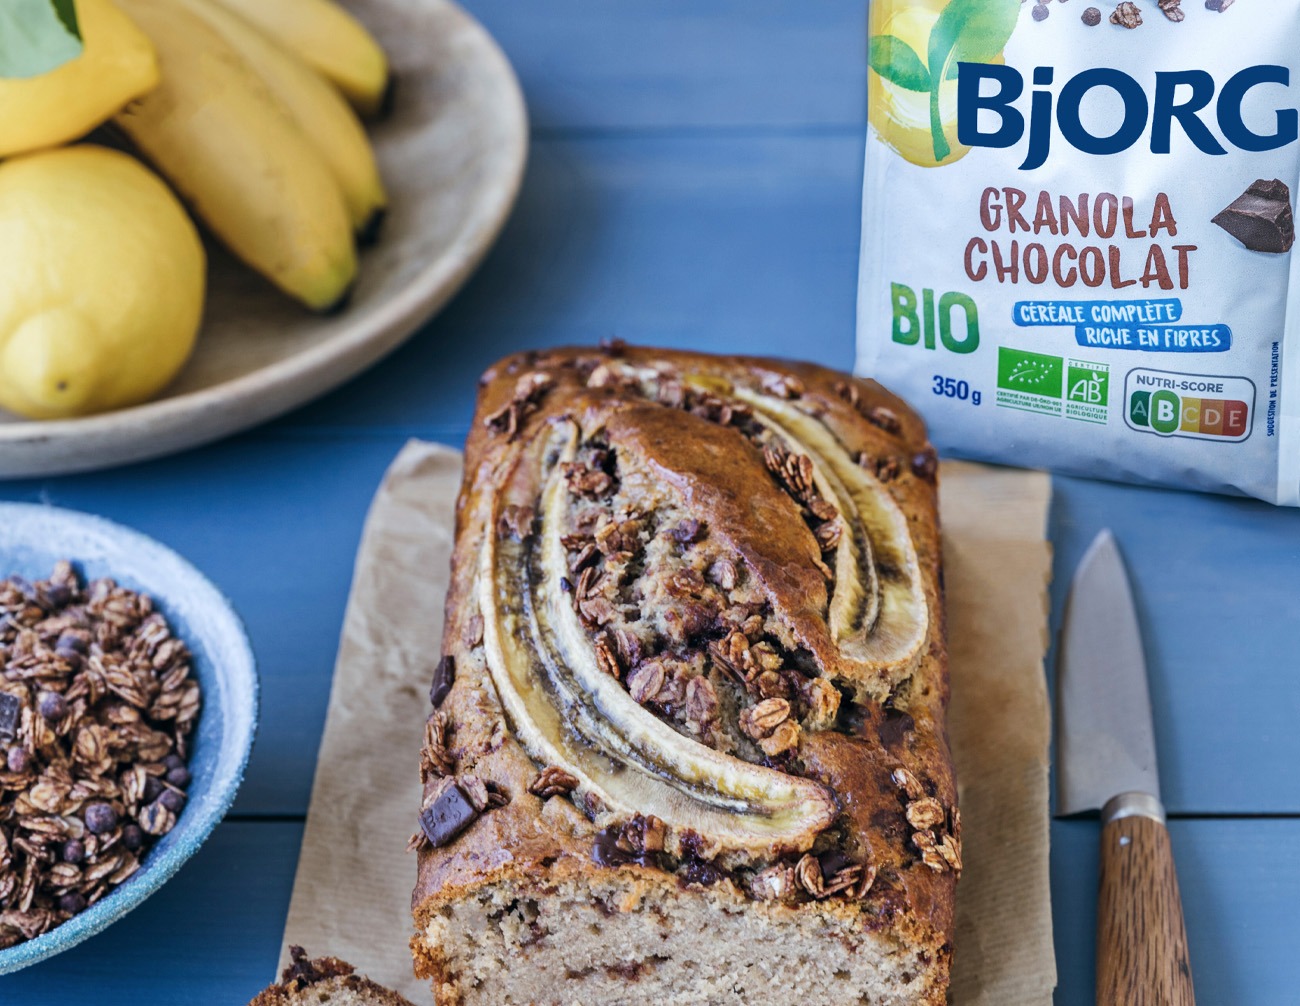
[[452, 156], [32, 540]]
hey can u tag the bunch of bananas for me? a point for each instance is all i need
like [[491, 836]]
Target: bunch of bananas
[[251, 110]]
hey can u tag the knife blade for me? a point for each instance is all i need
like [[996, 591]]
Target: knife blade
[[1107, 762], [1105, 738]]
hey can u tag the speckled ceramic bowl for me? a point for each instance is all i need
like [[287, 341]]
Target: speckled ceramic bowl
[[32, 539]]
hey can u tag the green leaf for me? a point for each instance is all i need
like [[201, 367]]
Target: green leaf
[[898, 63], [67, 11], [972, 31], [37, 36]]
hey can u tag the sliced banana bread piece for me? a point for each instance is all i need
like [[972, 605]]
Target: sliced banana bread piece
[[325, 981]]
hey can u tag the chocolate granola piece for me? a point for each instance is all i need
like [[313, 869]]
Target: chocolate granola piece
[[1261, 217], [1092, 17], [303, 972], [925, 464], [1127, 15], [92, 739], [553, 781], [447, 814], [1172, 9], [10, 706], [444, 676], [1218, 5], [686, 532]]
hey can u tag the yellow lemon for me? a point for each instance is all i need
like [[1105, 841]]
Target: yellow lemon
[[901, 116], [101, 282], [117, 63]]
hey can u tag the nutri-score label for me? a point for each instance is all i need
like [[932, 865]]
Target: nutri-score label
[[1077, 233]]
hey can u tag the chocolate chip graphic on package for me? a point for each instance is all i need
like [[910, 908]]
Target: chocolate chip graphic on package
[[1092, 17], [1127, 15], [1261, 217], [1040, 12]]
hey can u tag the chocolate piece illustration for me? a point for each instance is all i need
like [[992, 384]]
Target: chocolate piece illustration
[[1261, 217]]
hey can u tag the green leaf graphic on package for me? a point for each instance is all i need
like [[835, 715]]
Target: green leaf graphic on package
[[914, 49]]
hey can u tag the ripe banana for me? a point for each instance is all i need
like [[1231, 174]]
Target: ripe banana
[[878, 615], [329, 40], [233, 152], [570, 713], [321, 113]]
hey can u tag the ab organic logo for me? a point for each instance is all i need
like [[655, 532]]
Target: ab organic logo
[[1053, 385]]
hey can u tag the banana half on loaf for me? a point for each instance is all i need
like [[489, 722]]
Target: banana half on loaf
[[688, 739]]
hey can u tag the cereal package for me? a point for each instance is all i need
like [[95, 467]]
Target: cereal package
[[1077, 234]]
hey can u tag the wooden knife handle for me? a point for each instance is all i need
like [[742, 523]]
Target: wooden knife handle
[[1141, 940]]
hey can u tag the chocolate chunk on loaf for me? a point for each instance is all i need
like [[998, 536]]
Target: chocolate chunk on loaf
[[325, 980], [688, 743]]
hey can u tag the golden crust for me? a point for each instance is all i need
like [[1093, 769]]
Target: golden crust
[[308, 982], [532, 837]]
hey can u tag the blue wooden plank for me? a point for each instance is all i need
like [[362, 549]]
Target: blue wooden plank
[[1240, 882], [664, 64], [275, 524], [209, 937], [1217, 584], [732, 244]]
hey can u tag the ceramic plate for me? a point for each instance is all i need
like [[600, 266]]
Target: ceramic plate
[[452, 156], [32, 540]]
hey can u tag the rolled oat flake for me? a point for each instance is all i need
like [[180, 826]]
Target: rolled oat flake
[[1078, 236]]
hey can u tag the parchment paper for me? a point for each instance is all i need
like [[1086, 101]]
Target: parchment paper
[[351, 895]]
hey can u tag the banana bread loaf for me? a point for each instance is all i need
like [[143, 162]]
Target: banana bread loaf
[[688, 738]]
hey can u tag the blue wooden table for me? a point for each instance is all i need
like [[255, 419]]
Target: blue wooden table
[[694, 181]]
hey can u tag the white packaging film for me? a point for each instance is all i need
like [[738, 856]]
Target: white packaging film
[[1077, 235]]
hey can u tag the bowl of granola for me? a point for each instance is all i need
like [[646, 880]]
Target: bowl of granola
[[128, 705]]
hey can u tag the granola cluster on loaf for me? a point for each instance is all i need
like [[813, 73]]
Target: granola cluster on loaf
[[688, 731]]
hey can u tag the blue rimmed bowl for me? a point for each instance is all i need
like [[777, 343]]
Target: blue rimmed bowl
[[32, 539]]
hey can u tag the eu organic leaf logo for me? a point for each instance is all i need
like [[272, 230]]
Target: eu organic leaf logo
[[970, 31]]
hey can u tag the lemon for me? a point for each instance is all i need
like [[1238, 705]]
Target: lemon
[[901, 117], [117, 63], [101, 282]]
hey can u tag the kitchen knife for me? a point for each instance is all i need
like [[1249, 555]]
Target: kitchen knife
[[1107, 761]]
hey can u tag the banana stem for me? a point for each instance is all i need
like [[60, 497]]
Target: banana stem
[[941, 148]]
